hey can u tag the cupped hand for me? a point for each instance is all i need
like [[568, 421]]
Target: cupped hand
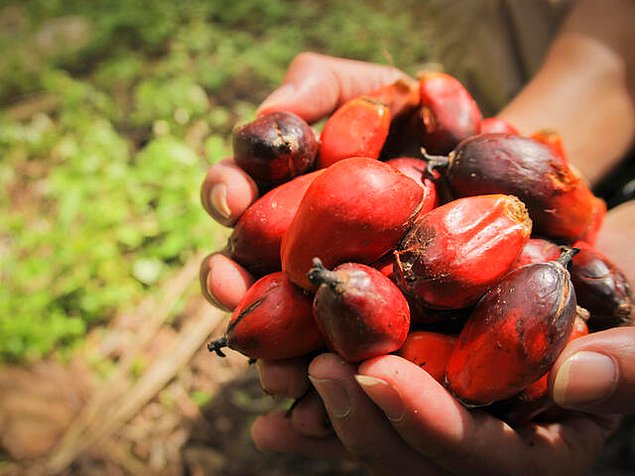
[[390, 414], [360, 430]]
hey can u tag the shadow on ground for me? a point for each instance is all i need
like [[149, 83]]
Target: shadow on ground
[[220, 442]]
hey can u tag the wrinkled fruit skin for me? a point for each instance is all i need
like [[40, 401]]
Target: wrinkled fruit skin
[[357, 129], [275, 148], [255, 241], [559, 203], [274, 320], [602, 289], [429, 350], [448, 112], [514, 335], [360, 312], [456, 252], [356, 210]]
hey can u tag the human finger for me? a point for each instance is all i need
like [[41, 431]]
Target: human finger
[[616, 236], [315, 85], [309, 417], [227, 191], [275, 432], [466, 441], [285, 377], [596, 373], [359, 424], [223, 281]]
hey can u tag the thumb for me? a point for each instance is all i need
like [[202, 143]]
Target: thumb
[[596, 373], [315, 85]]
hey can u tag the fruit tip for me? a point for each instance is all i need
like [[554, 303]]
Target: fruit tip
[[216, 346]]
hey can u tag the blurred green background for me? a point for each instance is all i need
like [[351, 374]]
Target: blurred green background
[[111, 112]]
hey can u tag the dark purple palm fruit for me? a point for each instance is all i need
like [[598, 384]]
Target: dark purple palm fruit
[[360, 312], [274, 148]]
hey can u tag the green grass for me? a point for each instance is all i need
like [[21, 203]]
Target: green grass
[[99, 192]]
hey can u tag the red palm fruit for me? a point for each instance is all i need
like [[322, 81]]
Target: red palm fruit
[[496, 125], [428, 350], [255, 240], [274, 148], [360, 312], [419, 314], [534, 399], [385, 265], [402, 99], [559, 203], [357, 129], [599, 212], [553, 140], [401, 96], [356, 210], [448, 112], [416, 170], [274, 320], [514, 334], [602, 289], [456, 252], [537, 250]]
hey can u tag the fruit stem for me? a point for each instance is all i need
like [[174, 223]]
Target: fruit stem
[[434, 162], [567, 255], [318, 274], [217, 345]]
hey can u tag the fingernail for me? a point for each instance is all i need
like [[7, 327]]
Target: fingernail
[[384, 395], [218, 200], [282, 95], [585, 378], [276, 398], [259, 371], [334, 396]]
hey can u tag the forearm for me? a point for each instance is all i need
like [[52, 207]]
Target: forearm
[[585, 88]]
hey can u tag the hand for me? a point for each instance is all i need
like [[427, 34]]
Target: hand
[[314, 86], [392, 415]]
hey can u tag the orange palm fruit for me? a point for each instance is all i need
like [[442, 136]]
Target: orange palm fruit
[[357, 129], [453, 254], [514, 334]]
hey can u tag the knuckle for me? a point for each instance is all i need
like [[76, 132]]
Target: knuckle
[[306, 59]]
